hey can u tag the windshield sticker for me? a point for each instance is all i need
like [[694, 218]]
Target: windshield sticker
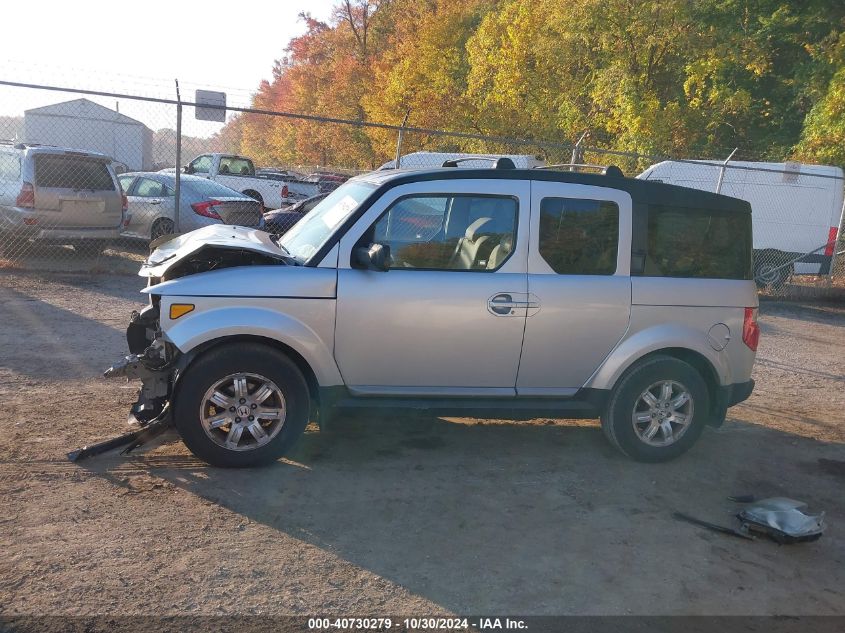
[[335, 215]]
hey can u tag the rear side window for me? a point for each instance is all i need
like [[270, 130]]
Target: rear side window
[[10, 166], [236, 166], [148, 188], [579, 237], [60, 172], [701, 243]]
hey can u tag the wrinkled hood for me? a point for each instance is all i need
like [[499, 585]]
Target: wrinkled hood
[[215, 235]]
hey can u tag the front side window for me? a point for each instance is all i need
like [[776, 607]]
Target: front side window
[[448, 232], [579, 236], [201, 165], [236, 166], [698, 243], [147, 188]]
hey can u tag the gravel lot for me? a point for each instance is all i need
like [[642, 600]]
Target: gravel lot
[[402, 516]]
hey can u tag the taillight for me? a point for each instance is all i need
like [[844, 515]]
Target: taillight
[[26, 198], [125, 202], [750, 329], [206, 209], [285, 193], [831, 241]]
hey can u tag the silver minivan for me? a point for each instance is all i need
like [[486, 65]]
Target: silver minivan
[[59, 195], [502, 292]]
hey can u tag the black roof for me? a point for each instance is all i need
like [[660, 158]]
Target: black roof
[[648, 192]]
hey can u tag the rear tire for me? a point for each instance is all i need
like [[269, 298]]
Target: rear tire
[[162, 226], [209, 395], [770, 269], [666, 424], [255, 196]]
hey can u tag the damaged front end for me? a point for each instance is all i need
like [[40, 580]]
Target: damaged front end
[[152, 359], [154, 362]]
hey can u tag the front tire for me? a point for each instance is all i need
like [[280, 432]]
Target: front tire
[[657, 410], [241, 405]]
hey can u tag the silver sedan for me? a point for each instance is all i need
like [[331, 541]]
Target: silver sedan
[[152, 205]]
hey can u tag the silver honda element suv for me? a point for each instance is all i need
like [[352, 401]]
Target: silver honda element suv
[[501, 293]]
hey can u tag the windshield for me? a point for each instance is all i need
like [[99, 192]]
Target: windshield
[[314, 230]]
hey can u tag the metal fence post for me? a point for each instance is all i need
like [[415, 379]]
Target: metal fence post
[[835, 254], [578, 151], [177, 192], [398, 161], [722, 171]]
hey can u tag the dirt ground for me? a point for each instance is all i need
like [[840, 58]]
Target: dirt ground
[[402, 516]]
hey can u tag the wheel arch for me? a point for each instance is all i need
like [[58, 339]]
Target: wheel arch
[[684, 342], [697, 361], [298, 359]]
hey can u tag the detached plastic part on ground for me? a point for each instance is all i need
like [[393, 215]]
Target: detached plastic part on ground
[[783, 520], [779, 518]]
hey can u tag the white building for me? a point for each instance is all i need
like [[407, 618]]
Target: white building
[[83, 124]]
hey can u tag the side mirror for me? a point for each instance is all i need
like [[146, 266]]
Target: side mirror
[[376, 257], [187, 169]]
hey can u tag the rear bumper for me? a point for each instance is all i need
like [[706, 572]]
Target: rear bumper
[[728, 396], [13, 220], [736, 393], [79, 233]]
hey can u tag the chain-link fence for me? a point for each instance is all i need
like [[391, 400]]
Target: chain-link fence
[[89, 178]]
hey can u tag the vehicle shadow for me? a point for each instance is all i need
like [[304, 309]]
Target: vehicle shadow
[[537, 518], [53, 335]]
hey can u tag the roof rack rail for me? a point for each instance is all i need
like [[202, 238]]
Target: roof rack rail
[[499, 162], [607, 170]]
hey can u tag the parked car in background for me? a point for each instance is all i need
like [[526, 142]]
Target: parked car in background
[[152, 205], [798, 209], [272, 190], [60, 195], [280, 220], [328, 181]]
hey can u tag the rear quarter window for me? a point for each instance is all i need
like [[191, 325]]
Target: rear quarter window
[[698, 243], [70, 172]]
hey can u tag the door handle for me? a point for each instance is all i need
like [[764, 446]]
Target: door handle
[[155, 201], [501, 304], [504, 304]]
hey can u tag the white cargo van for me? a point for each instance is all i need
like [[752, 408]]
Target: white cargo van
[[433, 160], [797, 209]]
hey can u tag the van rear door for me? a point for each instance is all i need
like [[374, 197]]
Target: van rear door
[[75, 189]]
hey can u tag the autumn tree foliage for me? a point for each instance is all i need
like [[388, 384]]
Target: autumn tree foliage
[[650, 76]]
